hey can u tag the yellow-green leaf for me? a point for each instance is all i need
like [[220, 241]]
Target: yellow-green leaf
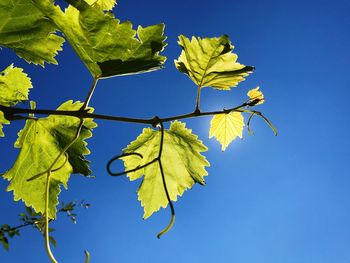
[[256, 96], [27, 31], [182, 162], [40, 142], [14, 88], [106, 46], [3, 120], [105, 4], [226, 127], [209, 62]]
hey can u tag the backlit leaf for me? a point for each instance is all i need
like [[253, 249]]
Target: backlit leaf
[[28, 32], [226, 127], [3, 121], [40, 142], [105, 4], [106, 46], [209, 62], [182, 162], [14, 88], [256, 95]]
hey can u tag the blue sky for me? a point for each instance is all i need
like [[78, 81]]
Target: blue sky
[[267, 199]]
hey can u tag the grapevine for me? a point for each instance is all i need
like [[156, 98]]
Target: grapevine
[[52, 147]]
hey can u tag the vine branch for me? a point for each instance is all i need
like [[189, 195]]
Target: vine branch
[[19, 226], [14, 113], [11, 114]]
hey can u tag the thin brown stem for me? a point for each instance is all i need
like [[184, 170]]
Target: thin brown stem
[[159, 159], [10, 113], [20, 226], [197, 110], [90, 93]]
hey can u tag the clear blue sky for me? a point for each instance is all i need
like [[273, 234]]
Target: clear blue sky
[[267, 199]]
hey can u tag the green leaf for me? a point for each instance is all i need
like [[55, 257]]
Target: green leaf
[[182, 162], [256, 96], [41, 141], [106, 46], [209, 62], [52, 241], [3, 120], [226, 127], [14, 88], [28, 32], [104, 4], [5, 243], [12, 233]]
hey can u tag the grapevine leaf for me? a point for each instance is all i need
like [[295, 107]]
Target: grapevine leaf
[[52, 241], [5, 243], [41, 141], [28, 32], [210, 63], [181, 159], [104, 4], [226, 127], [256, 96], [3, 120], [14, 88], [106, 46]]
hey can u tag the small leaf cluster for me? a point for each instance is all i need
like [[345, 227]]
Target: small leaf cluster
[[6, 231], [37, 221]]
